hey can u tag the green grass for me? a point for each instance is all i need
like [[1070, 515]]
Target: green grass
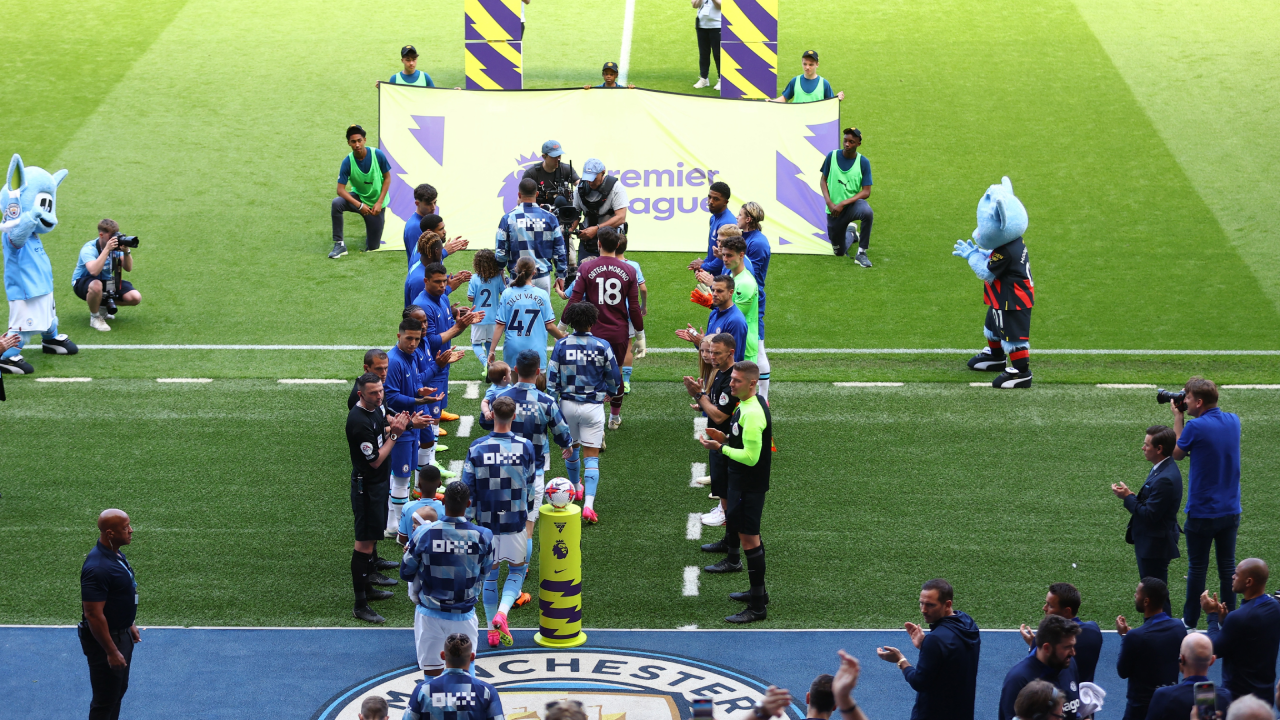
[[1142, 150], [238, 494]]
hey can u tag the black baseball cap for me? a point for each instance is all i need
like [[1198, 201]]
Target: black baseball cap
[[408, 51], [853, 131], [610, 66], [355, 130], [810, 55]]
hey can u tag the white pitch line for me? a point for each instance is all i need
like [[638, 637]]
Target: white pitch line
[[698, 470], [693, 528], [867, 384], [699, 427], [473, 390], [1252, 387], [184, 380], [64, 379], [690, 349], [979, 384], [691, 580], [455, 466], [464, 425], [624, 58], [311, 381], [1126, 386], [682, 627]]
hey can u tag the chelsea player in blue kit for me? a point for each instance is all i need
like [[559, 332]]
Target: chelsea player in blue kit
[[444, 564], [499, 471], [455, 694], [583, 373], [406, 390]]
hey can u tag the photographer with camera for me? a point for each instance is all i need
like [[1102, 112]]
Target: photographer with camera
[[1212, 440], [554, 178], [97, 279], [603, 203]]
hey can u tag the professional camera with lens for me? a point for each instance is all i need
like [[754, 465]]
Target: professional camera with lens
[[111, 283], [560, 187], [1179, 399]]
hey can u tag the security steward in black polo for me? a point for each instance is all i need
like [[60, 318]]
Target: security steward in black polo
[[748, 446], [109, 601], [370, 437]]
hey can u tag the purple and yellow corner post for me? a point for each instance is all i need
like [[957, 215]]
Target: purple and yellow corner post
[[749, 49], [493, 37]]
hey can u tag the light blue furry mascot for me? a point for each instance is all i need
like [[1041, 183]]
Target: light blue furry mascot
[[997, 255], [30, 202]]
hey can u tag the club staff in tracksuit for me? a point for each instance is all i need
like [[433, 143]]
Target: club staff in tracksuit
[[945, 677]]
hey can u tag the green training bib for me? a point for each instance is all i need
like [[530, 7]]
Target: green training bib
[[844, 184], [366, 186], [798, 95]]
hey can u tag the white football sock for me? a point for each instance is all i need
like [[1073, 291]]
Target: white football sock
[[589, 501]]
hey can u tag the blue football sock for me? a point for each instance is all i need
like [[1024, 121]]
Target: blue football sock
[[574, 467], [528, 551], [626, 373], [52, 332], [490, 594], [592, 475], [482, 353], [16, 350], [512, 587]]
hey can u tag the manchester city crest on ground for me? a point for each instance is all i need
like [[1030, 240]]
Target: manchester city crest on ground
[[612, 684]]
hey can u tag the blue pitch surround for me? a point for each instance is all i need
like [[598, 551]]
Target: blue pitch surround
[[300, 673]]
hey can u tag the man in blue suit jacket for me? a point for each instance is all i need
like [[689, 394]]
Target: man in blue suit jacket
[[1153, 523], [1149, 653], [1174, 702]]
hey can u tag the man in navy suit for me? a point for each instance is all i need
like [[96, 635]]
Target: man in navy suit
[[1149, 652], [1153, 523], [1174, 702]]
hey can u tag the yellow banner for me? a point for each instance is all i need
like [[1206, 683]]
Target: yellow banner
[[665, 149]]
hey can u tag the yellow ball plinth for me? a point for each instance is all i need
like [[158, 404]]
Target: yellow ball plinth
[[560, 577]]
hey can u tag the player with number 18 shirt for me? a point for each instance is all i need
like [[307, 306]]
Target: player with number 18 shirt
[[610, 284]]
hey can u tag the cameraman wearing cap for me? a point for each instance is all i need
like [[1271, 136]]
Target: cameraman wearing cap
[[553, 178], [1212, 440], [610, 75], [95, 265], [603, 203]]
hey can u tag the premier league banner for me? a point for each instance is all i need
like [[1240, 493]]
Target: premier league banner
[[665, 149]]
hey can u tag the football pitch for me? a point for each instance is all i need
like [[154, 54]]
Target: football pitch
[[1145, 156]]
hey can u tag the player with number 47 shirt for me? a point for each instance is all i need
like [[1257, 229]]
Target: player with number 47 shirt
[[610, 284]]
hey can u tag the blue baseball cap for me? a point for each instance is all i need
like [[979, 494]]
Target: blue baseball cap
[[552, 148], [593, 168]]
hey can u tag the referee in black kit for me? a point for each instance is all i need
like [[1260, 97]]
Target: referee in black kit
[[748, 445], [109, 601], [370, 436]]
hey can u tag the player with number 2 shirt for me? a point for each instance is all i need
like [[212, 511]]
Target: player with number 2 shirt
[[610, 284]]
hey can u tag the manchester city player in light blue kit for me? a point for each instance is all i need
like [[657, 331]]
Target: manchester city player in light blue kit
[[444, 564], [531, 232], [525, 317], [583, 373], [537, 417], [455, 695], [499, 471]]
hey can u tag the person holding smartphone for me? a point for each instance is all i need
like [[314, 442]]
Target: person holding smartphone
[[1195, 657]]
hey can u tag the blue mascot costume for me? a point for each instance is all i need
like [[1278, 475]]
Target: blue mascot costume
[[998, 257], [30, 202]]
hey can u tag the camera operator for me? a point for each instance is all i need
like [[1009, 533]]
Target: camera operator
[[1212, 440], [603, 203], [554, 179], [97, 273]]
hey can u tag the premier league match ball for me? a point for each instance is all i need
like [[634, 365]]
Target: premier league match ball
[[559, 492]]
